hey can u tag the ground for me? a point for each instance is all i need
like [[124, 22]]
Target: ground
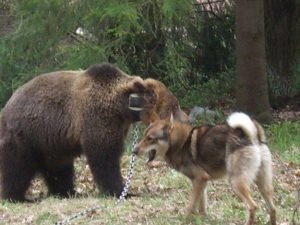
[[160, 195]]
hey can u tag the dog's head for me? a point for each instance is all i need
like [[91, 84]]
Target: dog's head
[[156, 139]]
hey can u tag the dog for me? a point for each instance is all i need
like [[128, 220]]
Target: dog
[[237, 149]]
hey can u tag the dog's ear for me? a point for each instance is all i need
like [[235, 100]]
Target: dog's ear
[[260, 132], [181, 116], [167, 129], [171, 121]]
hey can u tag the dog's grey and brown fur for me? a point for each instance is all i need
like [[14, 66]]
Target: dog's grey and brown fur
[[204, 153]]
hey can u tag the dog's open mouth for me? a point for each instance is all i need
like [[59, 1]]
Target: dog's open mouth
[[151, 155]]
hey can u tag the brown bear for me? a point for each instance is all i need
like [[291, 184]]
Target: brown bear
[[58, 116]]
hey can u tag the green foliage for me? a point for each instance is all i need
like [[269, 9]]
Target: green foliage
[[168, 40], [79, 57], [178, 42], [176, 10], [30, 48], [215, 92], [216, 41], [4, 5], [125, 16]]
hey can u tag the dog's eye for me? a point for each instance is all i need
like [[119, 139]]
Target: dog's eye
[[151, 139]]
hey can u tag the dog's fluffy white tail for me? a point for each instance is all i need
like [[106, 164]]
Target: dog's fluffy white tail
[[243, 121]]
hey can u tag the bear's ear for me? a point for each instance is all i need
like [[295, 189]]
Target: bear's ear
[[139, 86]]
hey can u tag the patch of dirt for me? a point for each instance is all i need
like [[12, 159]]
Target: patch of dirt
[[283, 102], [286, 114]]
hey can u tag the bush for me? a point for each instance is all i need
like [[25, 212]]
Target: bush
[[214, 93], [166, 40], [279, 88]]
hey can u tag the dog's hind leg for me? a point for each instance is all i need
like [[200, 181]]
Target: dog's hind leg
[[267, 193], [264, 184], [242, 190]]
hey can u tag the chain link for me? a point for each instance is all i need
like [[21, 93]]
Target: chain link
[[125, 189]]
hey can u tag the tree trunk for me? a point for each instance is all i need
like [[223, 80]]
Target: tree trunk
[[252, 90]]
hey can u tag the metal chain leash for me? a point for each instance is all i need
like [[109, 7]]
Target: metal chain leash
[[125, 189], [128, 180]]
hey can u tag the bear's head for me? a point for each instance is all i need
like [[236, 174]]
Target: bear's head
[[155, 103]]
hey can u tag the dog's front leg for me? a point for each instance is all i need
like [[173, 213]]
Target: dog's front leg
[[198, 195], [203, 199], [195, 197]]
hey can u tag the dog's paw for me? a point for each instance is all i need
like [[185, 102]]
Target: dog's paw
[[202, 212], [189, 211]]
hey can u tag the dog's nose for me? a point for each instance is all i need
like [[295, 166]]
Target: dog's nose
[[135, 150]]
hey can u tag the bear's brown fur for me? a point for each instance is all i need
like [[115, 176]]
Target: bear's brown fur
[[57, 116], [165, 105]]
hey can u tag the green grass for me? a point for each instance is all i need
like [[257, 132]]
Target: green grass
[[284, 137], [162, 193]]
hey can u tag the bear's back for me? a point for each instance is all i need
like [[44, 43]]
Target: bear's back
[[46, 89], [40, 109], [52, 108]]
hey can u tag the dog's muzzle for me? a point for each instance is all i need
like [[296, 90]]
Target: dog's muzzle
[[151, 155], [135, 150]]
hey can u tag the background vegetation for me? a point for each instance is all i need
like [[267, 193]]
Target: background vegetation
[[188, 45]]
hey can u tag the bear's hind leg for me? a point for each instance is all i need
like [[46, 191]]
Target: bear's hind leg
[[60, 181]]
